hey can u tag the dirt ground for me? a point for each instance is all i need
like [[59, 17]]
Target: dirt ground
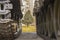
[[29, 36]]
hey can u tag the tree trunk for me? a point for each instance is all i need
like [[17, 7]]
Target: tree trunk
[[27, 25]]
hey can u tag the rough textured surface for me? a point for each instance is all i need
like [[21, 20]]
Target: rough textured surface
[[29, 36]]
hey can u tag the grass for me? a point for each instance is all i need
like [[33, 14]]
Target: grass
[[28, 29]]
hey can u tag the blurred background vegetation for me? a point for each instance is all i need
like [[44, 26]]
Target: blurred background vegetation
[[28, 20]]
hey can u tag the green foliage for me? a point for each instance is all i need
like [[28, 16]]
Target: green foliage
[[28, 19]]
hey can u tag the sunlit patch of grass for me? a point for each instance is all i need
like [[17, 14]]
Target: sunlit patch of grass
[[28, 29]]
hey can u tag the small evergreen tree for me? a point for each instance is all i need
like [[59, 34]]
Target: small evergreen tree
[[28, 19]]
